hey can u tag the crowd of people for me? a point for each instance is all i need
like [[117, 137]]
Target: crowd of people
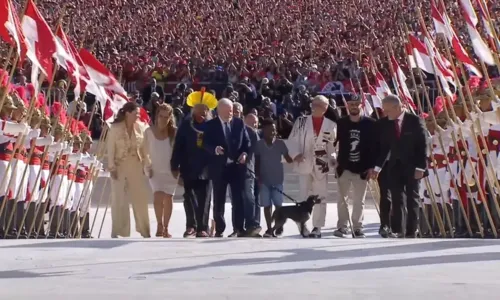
[[178, 41], [270, 72]]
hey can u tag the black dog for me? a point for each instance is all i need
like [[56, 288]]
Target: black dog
[[300, 213]]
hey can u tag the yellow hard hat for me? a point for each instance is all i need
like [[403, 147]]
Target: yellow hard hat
[[202, 97]]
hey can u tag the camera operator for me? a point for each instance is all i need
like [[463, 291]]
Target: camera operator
[[178, 98], [247, 93], [302, 99], [285, 124], [267, 110]]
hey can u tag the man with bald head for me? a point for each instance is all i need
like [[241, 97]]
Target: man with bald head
[[403, 153], [227, 142]]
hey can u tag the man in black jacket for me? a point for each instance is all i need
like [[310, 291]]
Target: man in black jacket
[[189, 160], [403, 151], [356, 137]]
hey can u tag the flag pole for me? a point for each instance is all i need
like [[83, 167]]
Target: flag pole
[[438, 132], [462, 139]]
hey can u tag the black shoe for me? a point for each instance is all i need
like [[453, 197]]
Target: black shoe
[[219, 235], [86, 235], [315, 233], [279, 231], [252, 232], [358, 233], [235, 233], [11, 235], [412, 235], [189, 233], [385, 232], [269, 234], [340, 232], [23, 235]]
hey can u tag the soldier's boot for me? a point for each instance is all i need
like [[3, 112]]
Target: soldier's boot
[[86, 226], [424, 226], [11, 232], [475, 222], [2, 219], [30, 218], [39, 226], [57, 213], [64, 229], [459, 221], [21, 229], [73, 224], [443, 219], [449, 209]]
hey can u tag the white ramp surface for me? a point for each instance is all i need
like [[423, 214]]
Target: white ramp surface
[[254, 269]]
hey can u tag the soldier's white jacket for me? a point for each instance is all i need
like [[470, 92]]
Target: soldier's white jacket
[[303, 141]]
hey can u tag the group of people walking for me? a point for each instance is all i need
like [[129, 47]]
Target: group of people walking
[[208, 154]]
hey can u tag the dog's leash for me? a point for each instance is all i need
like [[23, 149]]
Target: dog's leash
[[273, 187]]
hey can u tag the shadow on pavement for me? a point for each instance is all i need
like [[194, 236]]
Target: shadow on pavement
[[311, 255], [14, 274]]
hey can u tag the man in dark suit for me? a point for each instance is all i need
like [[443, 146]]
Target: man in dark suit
[[149, 90], [226, 139], [251, 200], [403, 151]]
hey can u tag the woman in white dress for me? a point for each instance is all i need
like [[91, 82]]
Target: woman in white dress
[[159, 139]]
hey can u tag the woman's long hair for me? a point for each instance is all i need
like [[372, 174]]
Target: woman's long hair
[[171, 125], [126, 108]]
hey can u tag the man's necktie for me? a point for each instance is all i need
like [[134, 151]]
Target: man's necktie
[[227, 134], [398, 128]]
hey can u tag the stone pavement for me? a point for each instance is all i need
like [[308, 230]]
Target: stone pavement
[[254, 269]]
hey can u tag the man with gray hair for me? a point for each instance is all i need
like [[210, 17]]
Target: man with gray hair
[[403, 151], [227, 142], [237, 110], [312, 139]]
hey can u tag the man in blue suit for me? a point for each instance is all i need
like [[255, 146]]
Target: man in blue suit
[[226, 140]]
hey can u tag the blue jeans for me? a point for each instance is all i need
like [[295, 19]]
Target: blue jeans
[[270, 195], [251, 204]]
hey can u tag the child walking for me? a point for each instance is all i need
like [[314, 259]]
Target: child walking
[[269, 172]]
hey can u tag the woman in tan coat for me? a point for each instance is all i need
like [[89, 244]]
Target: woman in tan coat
[[127, 159]]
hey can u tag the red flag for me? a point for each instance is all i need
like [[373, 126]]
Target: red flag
[[11, 30], [40, 38], [100, 74]]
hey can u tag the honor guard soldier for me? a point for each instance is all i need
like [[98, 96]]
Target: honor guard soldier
[[39, 139], [8, 130]]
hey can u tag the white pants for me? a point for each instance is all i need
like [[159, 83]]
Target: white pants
[[58, 190], [358, 200], [86, 197], [77, 195], [69, 200], [33, 190], [43, 189], [436, 179], [4, 177], [18, 184], [315, 184]]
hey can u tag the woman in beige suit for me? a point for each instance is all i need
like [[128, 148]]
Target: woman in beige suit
[[127, 160]]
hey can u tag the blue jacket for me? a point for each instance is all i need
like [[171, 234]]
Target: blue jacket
[[187, 157], [239, 143]]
